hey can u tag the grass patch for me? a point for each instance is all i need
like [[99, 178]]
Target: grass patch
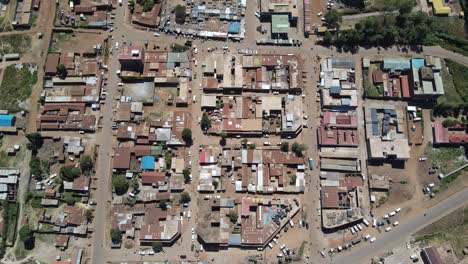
[[18, 43], [452, 228], [20, 251], [387, 5], [5, 25], [459, 75], [58, 39], [17, 86], [10, 216], [447, 159]]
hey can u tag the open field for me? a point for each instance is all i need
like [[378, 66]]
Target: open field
[[452, 228], [16, 86], [454, 81], [447, 159], [18, 43]]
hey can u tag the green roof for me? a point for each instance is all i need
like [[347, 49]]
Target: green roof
[[279, 24]]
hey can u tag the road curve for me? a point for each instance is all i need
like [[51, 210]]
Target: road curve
[[363, 253]]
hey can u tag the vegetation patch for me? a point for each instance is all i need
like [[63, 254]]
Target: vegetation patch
[[452, 228], [16, 87], [18, 43], [447, 159]]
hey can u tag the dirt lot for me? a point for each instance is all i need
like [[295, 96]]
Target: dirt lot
[[76, 42]]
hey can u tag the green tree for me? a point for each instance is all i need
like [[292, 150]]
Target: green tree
[[405, 6], [88, 214], [187, 135], [86, 164], [116, 235], [62, 71], [35, 142], [252, 145], [69, 198], [69, 173], [327, 38], [284, 146], [333, 18], [233, 216], [131, 3], [36, 168], [120, 184], [215, 184], [185, 197], [205, 122], [25, 233], [186, 173], [157, 246], [180, 14], [244, 142], [450, 122], [298, 148], [148, 5], [168, 159], [135, 184], [163, 204]]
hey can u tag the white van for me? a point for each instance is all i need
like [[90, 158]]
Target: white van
[[374, 222], [388, 229], [365, 222], [194, 98], [372, 239], [396, 223]]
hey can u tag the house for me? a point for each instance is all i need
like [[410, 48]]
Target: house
[[79, 185]]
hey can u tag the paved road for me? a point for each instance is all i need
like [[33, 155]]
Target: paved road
[[363, 253]]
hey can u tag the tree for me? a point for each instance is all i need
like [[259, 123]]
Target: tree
[[68, 198], [61, 71], [86, 164], [244, 142], [25, 233], [449, 122], [135, 184], [252, 145], [333, 18], [148, 5], [35, 168], [116, 236], [88, 214], [120, 184], [131, 3], [215, 184], [187, 135], [157, 246], [168, 159], [163, 204], [284, 146], [327, 38], [298, 148], [180, 14], [69, 173], [185, 197], [186, 173], [233, 216], [35, 142], [205, 122], [406, 6]]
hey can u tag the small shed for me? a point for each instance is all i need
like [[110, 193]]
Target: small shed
[[7, 120]]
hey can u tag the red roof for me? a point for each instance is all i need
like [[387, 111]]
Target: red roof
[[440, 133], [122, 158], [151, 177], [405, 86]]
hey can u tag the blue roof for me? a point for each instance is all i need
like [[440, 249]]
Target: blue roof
[[234, 28], [418, 63], [6, 120], [147, 163], [345, 101], [234, 240], [396, 64], [335, 90]]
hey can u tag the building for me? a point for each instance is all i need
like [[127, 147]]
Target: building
[[7, 120], [440, 7], [131, 58], [386, 133], [269, 8], [261, 219], [426, 78], [337, 82], [279, 26], [449, 136], [430, 255]]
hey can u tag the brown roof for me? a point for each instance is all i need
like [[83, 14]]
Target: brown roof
[[150, 177], [75, 215], [430, 255], [142, 150], [329, 197], [377, 76], [62, 240], [52, 63], [85, 9], [122, 158]]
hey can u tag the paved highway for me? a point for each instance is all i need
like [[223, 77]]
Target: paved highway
[[363, 253]]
